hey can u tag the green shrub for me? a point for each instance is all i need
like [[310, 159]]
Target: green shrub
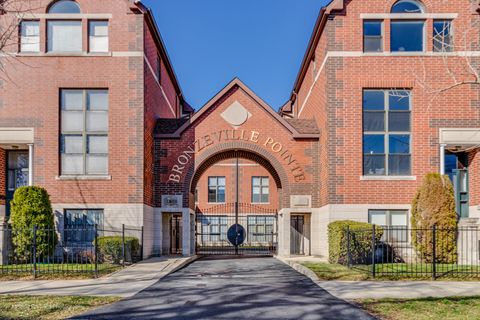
[[31, 207], [434, 204], [110, 249], [360, 241]]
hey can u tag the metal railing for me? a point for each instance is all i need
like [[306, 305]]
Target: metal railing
[[400, 252], [83, 251]]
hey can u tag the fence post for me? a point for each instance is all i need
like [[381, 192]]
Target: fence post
[[123, 245], [96, 250], [349, 258], [34, 251], [434, 252], [141, 252], [374, 242]]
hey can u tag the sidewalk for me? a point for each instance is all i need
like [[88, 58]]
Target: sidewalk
[[124, 283], [353, 290]]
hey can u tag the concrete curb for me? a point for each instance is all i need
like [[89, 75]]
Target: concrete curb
[[182, 265], [302, 269]]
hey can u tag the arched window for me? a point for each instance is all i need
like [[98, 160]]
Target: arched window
[[64, 6], [407, 6]]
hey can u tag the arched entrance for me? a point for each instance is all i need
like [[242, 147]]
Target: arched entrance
[[237, 195], [235, 126]]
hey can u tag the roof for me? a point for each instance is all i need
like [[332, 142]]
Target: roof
[[304, 126], [169, 126], [212, 102]]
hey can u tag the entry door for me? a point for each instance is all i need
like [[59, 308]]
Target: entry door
[[17, 173], [176, 234], [297, 238], [456, 167]]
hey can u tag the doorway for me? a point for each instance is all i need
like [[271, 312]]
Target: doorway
[[176, 234], [297, 235], [456, 167], [17, 174]]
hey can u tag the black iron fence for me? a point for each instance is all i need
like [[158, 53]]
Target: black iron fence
[[90, 251], [400, 252]]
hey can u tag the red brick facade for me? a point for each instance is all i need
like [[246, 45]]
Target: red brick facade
[[334, 100]]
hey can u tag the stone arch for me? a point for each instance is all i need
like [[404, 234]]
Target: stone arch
[[243, 150]]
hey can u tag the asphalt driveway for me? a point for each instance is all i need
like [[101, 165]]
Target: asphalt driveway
[[232, 288]]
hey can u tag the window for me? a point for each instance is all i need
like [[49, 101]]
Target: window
[[260, 189], [442, 36], [407, 36], [80, 225], [386, 132], [84, 125], [216, 189], [17, 167], [372, 36], [260, 229], [395, 223], [64, 36], [407, 6], [30, 36], [64, 6], [214, 228], [98, 36]]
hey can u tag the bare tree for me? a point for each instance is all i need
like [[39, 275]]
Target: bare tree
[[12, 12], [460, 58]]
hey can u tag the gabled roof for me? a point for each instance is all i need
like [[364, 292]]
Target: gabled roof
[[211, 103]]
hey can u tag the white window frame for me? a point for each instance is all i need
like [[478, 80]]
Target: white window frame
[[49, 41], [24, 38], [92, 38], [261, 186]]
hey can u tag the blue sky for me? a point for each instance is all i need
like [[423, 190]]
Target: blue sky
[[212, 41]]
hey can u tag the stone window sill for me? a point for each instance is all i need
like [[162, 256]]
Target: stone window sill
[[84, 178], [388, 178]]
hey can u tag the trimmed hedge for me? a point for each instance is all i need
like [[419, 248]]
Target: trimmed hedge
[[360, 241], [31, 207], [434, 204], [110, 249]]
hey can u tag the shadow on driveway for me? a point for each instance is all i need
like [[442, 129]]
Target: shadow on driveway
[[232, 288]]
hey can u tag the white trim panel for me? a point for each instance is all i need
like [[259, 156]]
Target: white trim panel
[[16, 135], [408, 16]]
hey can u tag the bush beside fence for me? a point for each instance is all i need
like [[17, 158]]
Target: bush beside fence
[[88, 251], [392, 253]]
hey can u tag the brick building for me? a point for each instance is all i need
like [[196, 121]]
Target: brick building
[[96, 116]]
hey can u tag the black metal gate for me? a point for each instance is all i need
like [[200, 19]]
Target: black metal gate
[[227, 230]]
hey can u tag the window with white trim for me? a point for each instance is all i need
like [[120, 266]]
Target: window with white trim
[[84, 132], [372, 36], [79, 225], [394, 222], [386, 132], [98, 36], [442, 36], [216, 189], [260, 189], [64, 36], [407, 35], [30, 36]]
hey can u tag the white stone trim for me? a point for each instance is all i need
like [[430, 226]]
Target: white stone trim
[[69, 16], [360, 54], [388, 178], [158, 83], [17, 135], [83, 178], [459, 136], [128, 54], [116, 54], [408, 16]]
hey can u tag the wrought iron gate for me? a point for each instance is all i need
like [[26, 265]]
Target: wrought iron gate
[[220, 231]]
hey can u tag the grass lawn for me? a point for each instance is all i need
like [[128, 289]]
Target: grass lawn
[[55, 271], [397, 271], [48, 307], [465, 308]]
